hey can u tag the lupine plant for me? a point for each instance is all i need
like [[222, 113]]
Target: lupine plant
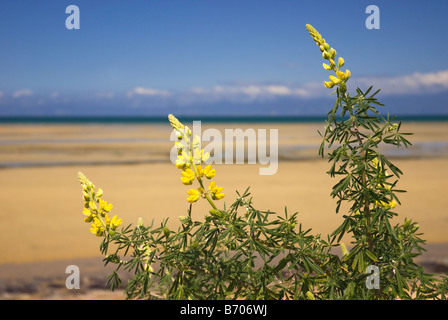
[[240, 252]]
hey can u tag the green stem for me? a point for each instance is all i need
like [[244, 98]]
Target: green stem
[[202, 186]]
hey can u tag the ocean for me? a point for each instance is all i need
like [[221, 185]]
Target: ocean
[[61, 141], [189, 118]]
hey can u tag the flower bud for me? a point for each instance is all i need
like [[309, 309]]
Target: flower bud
[[341, 62], [333, 52], [216, 213], [332, 63], [326, 46], [140, 222], [326, 66], [326, 55], [407, 222], [185, 220], [166, 231], [92, 206]]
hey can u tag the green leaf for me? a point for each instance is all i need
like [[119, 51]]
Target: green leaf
[[371, 256]]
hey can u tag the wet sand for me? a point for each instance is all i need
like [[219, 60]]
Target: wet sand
[[41, 203]]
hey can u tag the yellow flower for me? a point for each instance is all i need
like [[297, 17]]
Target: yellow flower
[[194, 195], [114, 222], [340, 75], [187, 176], [200, 156], [97, 227], [104, 206], [92, 206], [329, 84], [94, 212], [89, 215], [183, 160], [200, 170], [174, 122], [216, 191], [191, 157], [329, 54], [209, 172], [387, 205], [334, 79]]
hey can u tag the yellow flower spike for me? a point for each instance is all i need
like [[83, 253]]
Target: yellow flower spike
[[190, 158], [174, 122], [315, 34], [341, 62], [209, 172], [187, 176], [194, 195]]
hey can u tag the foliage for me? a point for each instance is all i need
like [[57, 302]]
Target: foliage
[[241, 252]]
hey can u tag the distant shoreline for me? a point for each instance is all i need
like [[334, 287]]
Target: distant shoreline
[[206, 119]]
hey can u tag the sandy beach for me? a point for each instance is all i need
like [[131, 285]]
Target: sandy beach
[[41, 203]]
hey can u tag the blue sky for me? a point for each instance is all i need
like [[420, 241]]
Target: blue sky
[[216, 57]]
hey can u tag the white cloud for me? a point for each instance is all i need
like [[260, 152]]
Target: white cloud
[[252, 92], [415, 83], [22, 93], [140, 91]]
